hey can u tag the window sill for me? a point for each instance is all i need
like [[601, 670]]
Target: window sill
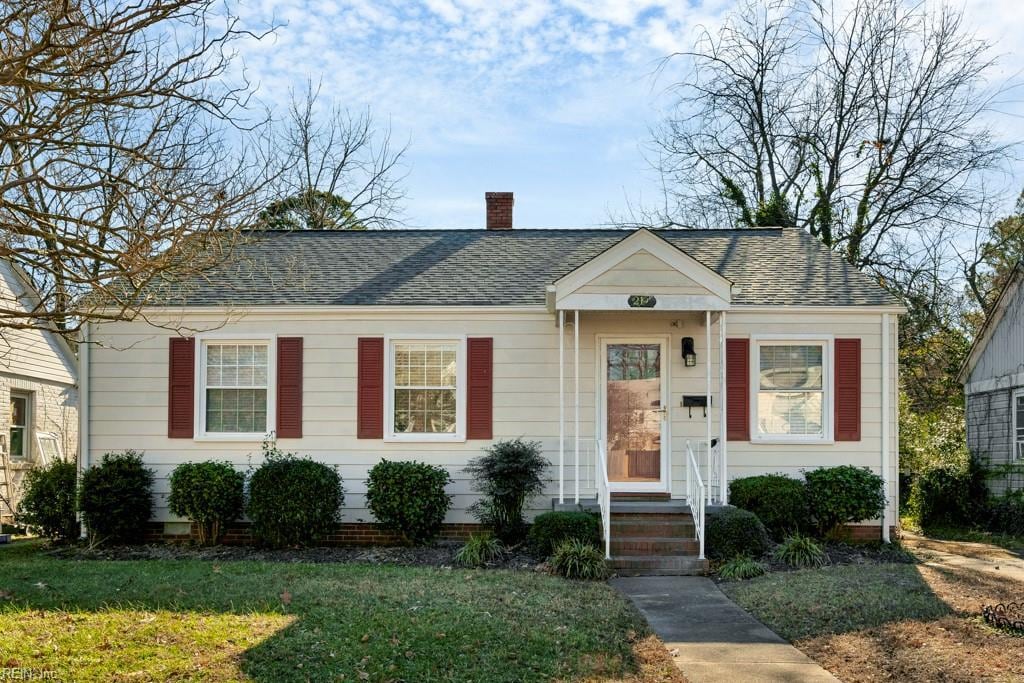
[[232, 437], [425, 438], [785, 441]]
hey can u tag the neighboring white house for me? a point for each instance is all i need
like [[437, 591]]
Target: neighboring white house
[[604, 345], [38, 394], [993, 379]]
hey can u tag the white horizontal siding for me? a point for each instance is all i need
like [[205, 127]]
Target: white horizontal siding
[[129, 392], [33, 354]]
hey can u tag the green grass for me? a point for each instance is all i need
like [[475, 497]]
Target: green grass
[[813, 602], [195, 620]]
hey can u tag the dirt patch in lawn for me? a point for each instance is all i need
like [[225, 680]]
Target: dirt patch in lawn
[[896, 622], [439, 555]]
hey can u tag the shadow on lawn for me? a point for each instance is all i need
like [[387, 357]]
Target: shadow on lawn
[[362, 622]]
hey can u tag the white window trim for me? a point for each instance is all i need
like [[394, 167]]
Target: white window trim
[[389, 389], [1016, 448], [202, 341], [828, 406], [28, 436]]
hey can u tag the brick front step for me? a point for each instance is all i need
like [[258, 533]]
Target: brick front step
[[646, 528], [659, 566], [632, 546]]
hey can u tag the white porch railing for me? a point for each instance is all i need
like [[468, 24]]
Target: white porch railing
[[604, 497], [695, 496]]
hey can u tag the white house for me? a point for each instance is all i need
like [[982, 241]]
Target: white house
[[624, 352], [38, 394]]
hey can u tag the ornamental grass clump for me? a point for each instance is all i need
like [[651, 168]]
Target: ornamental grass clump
[[480, 550], [576, 559], [800, 552], [740, 568]]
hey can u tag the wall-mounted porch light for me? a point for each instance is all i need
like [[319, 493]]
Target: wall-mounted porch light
[[689, 354]]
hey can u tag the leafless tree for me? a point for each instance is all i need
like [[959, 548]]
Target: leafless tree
[[125, 155], [864, 126], [342, 172]]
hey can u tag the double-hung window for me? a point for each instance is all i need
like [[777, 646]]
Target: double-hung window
[[425, 389], [792, 390], [235, 385], [20, 436]]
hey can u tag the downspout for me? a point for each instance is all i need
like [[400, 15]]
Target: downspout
[[83, 406], [886, 424], [561, 407]]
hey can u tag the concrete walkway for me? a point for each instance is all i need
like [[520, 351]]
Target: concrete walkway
[[712, 638]]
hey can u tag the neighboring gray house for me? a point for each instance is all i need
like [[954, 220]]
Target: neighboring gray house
[[993, 379]]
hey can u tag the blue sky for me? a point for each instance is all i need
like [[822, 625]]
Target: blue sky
[[552, 100]]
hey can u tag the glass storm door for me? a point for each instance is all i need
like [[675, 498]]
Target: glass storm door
[[634, 393]]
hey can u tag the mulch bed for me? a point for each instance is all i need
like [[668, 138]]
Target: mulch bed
[[440, 555], [842, 554]]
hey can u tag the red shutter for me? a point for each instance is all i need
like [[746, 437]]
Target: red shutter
[[737, 384], [479, 394], [370, 387], [847, 391], [181, 388], [289, 387]]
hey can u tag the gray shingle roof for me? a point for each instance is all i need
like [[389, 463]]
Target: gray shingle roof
[[479, 267]]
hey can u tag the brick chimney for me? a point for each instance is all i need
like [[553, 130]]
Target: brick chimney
[[499, 210]]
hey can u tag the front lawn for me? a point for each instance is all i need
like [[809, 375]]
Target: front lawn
[[264, 621], [890, 621]]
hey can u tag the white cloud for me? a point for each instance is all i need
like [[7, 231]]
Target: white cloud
[[510, 78]]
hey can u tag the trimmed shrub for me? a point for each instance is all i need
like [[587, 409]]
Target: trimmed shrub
[[842, 495], [800, 551], [115, 498], [211, 494], [948, 496], [479, 550], [508, 475], [551, 528], [409, 498], [293, 501], [576, 559], [780, 502], [733, 532], [47, 504], [740, 568]]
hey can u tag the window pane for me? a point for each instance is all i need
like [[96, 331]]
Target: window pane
[[791, 367], [790, 412], [19, 408], [425, 411], [17, 442], [634, 361], [236, 410]]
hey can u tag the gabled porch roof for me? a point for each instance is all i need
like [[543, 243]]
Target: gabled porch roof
[[642, 271]]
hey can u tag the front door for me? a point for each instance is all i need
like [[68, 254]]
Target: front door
[[634, 416]]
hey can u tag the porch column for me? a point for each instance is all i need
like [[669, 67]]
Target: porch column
[[561, 406], [707, 393], [576, 400], [724, 493]]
